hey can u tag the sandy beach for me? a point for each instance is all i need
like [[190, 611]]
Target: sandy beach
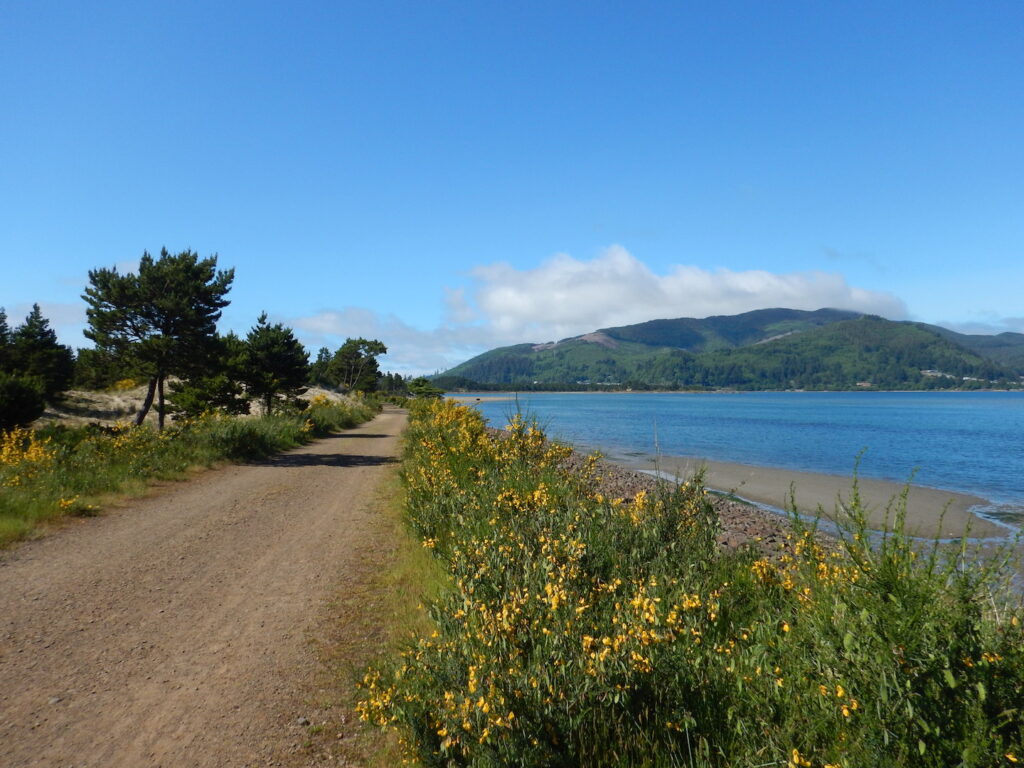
[[771, 486]]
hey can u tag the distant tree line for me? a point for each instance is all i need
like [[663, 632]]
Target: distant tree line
[[159, 325]]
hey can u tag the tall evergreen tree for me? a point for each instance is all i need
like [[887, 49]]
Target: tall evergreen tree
[[164, 317], [34, 351], [277, 363], [5, 341], [319, 371], [21, 396]]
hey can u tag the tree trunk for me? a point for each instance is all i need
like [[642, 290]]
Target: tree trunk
[[359, 373], [147, 403], [160, 405], [267, 404]]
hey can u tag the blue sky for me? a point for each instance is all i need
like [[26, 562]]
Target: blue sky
[[451, 176]]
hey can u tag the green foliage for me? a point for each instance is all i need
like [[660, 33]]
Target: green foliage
[[22, 400], [217, 386], [578, 630], [421, 387], [31, 350], [276, 363], [769, 349], [328, 416], [354, 366], [163, 318], [392, 384], [97, 369], [319, 370], [727, 331], [1004, 349], [5, 340], [889, 355], [60, 470]]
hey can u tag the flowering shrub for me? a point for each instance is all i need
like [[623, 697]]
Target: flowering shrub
[[62, 471], [581, 630], [22, 456]]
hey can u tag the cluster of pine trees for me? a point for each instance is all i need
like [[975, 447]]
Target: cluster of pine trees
[[159, 325], [34, 368]]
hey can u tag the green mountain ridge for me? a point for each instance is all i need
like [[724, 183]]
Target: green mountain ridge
[[763, 349]]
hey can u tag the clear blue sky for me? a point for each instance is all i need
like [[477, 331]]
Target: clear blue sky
[[449, 176]]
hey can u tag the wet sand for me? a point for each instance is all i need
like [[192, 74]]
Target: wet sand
[[831, 493]]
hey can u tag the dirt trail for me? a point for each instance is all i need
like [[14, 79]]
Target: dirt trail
[[175, 630]]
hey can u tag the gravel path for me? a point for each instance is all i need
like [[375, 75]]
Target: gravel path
[[175, 631]]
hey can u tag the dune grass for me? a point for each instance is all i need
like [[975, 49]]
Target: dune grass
[[59, 470], [580, 630]]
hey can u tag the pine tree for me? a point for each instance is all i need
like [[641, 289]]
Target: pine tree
[[216, 385], [164, 317], [319, 371], [33, 350], [277, 363], [5, 342], [355, 366]]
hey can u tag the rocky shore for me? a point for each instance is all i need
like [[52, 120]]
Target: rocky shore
[[741, 524]]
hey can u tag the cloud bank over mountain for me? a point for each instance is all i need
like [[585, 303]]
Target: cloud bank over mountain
[[565, 296]]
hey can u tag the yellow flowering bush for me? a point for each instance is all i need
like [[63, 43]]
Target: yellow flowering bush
[[23, 455], [61, 470], [581, 630]]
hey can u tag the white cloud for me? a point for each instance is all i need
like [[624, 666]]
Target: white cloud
[[989, 325], [457, 309], [565, 297], [410, 350]]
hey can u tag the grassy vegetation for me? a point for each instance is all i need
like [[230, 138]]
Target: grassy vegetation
[[59, 470], [580, 630]]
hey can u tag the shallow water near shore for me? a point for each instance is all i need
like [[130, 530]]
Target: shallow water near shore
[[969, 443]]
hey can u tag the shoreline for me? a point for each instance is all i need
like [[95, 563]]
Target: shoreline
[[772, 486], [501, 394]]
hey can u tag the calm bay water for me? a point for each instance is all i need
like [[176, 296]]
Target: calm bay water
[[972, 442]]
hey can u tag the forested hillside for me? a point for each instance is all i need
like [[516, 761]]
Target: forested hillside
[[767, 349]]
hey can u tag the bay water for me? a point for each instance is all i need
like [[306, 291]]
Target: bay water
[[970, 442]]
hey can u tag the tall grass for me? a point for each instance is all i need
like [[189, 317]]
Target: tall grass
[[58, 470], [581, 630]]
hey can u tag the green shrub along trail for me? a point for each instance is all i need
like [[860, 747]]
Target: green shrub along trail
[[580, 630], [59, 470]]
